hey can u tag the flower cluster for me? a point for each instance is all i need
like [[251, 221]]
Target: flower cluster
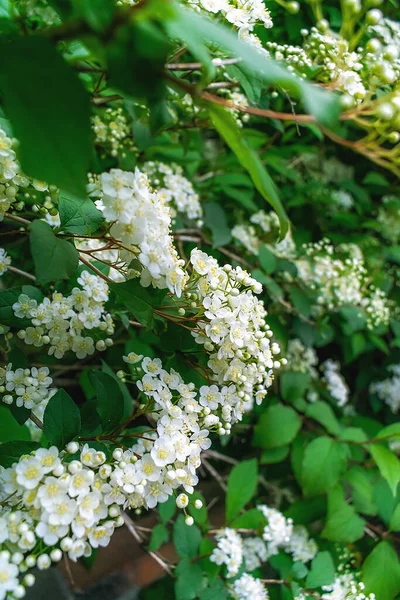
[[68, 322], [242, 14], [24, 387], [232, 328], [229, 551], [388, 390], [175, 189], [142, 223], [248, 587], [301, 359], [5, 261], [10, 177], [112, 131], [264, 228], [335, 382], [54, 506], [339, 277], [346, 587]]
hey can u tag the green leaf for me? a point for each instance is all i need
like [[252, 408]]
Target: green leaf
[[277, 426], [97, 13], [343, 524], [267, 259], [128, 401], [388, 464], [323, 462], [54, 257], [322, 571], [227, 127], [323, 104], [52, 121], [11, 452], [189, 580], [362, 490], [10, 429], [391, 432], [323, 413], [381, 572], [78, 215], [62, 419], [167, 509], [159, 536], [215, 219], [294, 385], [110, 400], [251, 519], [186, 539], [10, 297], [242, 484], [215, 591], [395, 520], [274, 455], [138, 300]]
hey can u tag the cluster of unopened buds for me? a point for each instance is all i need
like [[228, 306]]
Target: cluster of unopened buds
[[68, 322]]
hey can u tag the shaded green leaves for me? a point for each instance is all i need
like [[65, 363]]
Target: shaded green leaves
[[189, 580], [242, 484], [381, 572], [159, 536], [78, 215], [293, 385], [267, 259], [186, 539], [323, 414], [62, 419], [109, 400], [54, 257], [215, 219], [138, 300], [277, 426], [323, 462], [227, 127], [10, 429], [52, 119], [11, 452]]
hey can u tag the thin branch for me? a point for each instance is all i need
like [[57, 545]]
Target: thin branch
[[131, 528], [22, 273], [18, 219], [37, 421], [95, 269]]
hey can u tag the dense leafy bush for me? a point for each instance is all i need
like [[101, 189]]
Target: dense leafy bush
[[200, 250]]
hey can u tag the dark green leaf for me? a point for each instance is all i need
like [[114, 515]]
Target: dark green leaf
[[324, 461], [186, 538], [54, 257], [381, 572], [322, 571], [11, 452], [343, 524], [159, 536], [62, 419], [78, 215], [110, 400], [52, 120]]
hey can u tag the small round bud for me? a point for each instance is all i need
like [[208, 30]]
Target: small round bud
[[373, 16], [19, 591], [66, 544], [198, 504], [117, 454], [56, 555], [181, 311], [323, 25], [17, 558], [43, 562], [29, 580], [189, 521], [30, 561], [72, 447]]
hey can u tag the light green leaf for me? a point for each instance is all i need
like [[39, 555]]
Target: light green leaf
[[54, 257], [189, 577], [62, 419], [10, 297], [322, 571], [323, 413], [242, 484], [395, 520], [277, 426], [343, 524], [381, 572], [52, 121], [227, 127], [362, 490], [267, 259], [274, 455], [323, 462], [293, 385], [388, 464]]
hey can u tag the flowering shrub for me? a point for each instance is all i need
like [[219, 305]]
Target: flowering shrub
[[199, 293]]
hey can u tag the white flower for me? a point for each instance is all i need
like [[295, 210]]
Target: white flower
[[29, 472], [163, 452], [8, 577]]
